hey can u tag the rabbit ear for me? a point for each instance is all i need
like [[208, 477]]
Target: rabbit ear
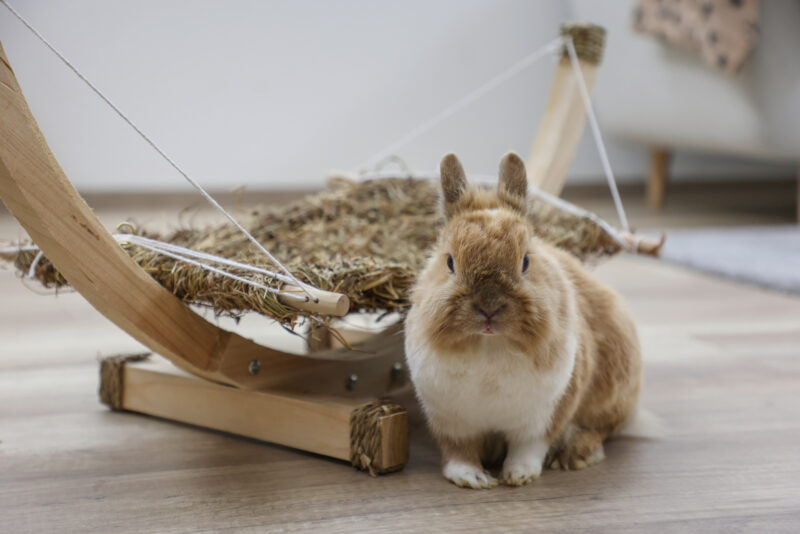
[[454, 183], [513, 179], [513, 186]]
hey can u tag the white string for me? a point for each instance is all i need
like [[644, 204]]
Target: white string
[[36, 260], [466, 100], [598, 137], [25, 248], [567, 42], [211, 268], [175, 252], [16, 250], [169, 160], [158, 246]]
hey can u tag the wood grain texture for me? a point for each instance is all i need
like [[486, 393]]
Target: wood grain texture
[[312, 423], [560, 128], [658, 179], [319, 425], [394, 441], [722, 369]]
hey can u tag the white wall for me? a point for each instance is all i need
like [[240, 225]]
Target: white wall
[[273, 94]]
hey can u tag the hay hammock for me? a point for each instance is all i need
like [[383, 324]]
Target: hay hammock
[[364, 239], [355, 247]]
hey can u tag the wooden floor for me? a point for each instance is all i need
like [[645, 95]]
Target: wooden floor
[[722, 371]]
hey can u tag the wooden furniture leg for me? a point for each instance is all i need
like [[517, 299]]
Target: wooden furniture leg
[[371, 434], [657, 180]]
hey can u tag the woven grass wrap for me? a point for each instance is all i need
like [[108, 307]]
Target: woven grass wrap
[[364, 239]]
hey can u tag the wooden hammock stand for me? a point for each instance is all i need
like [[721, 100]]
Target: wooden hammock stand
[[331, 402]]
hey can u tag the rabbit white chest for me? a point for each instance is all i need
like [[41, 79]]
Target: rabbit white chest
[[489, 389]]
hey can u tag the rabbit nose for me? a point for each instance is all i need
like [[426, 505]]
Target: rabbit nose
[[489, 314]]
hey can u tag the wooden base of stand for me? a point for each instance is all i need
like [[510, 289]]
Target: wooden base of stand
[[371, 434]]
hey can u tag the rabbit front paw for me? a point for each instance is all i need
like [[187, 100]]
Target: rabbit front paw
[[465, 475], [524, 461], [519, 474]]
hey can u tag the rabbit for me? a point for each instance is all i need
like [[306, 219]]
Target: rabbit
[[513, 347]]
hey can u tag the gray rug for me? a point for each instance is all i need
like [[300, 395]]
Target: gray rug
[[767, 256]]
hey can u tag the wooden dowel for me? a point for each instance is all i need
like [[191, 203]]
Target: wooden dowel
[[643, 245], [328, 303]]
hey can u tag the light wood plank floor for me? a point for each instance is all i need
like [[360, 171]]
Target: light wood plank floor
[[722, 370]]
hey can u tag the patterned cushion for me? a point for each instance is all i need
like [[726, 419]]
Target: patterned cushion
[[723, 32]]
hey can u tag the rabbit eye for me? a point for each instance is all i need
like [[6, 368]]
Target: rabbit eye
[[526, 261], [450, 264]]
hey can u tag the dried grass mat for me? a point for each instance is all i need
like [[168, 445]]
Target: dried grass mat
[[364, 239]]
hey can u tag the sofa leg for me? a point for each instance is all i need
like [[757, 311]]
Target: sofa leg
[[657, 181]]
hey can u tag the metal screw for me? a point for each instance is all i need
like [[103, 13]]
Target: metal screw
[[254, 367], [397, 371], [350, 385]]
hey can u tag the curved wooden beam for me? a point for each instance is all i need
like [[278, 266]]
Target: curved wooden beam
[[37, 192], [565, 115]]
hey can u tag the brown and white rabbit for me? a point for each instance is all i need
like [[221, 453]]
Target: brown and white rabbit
[[510, 340]]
